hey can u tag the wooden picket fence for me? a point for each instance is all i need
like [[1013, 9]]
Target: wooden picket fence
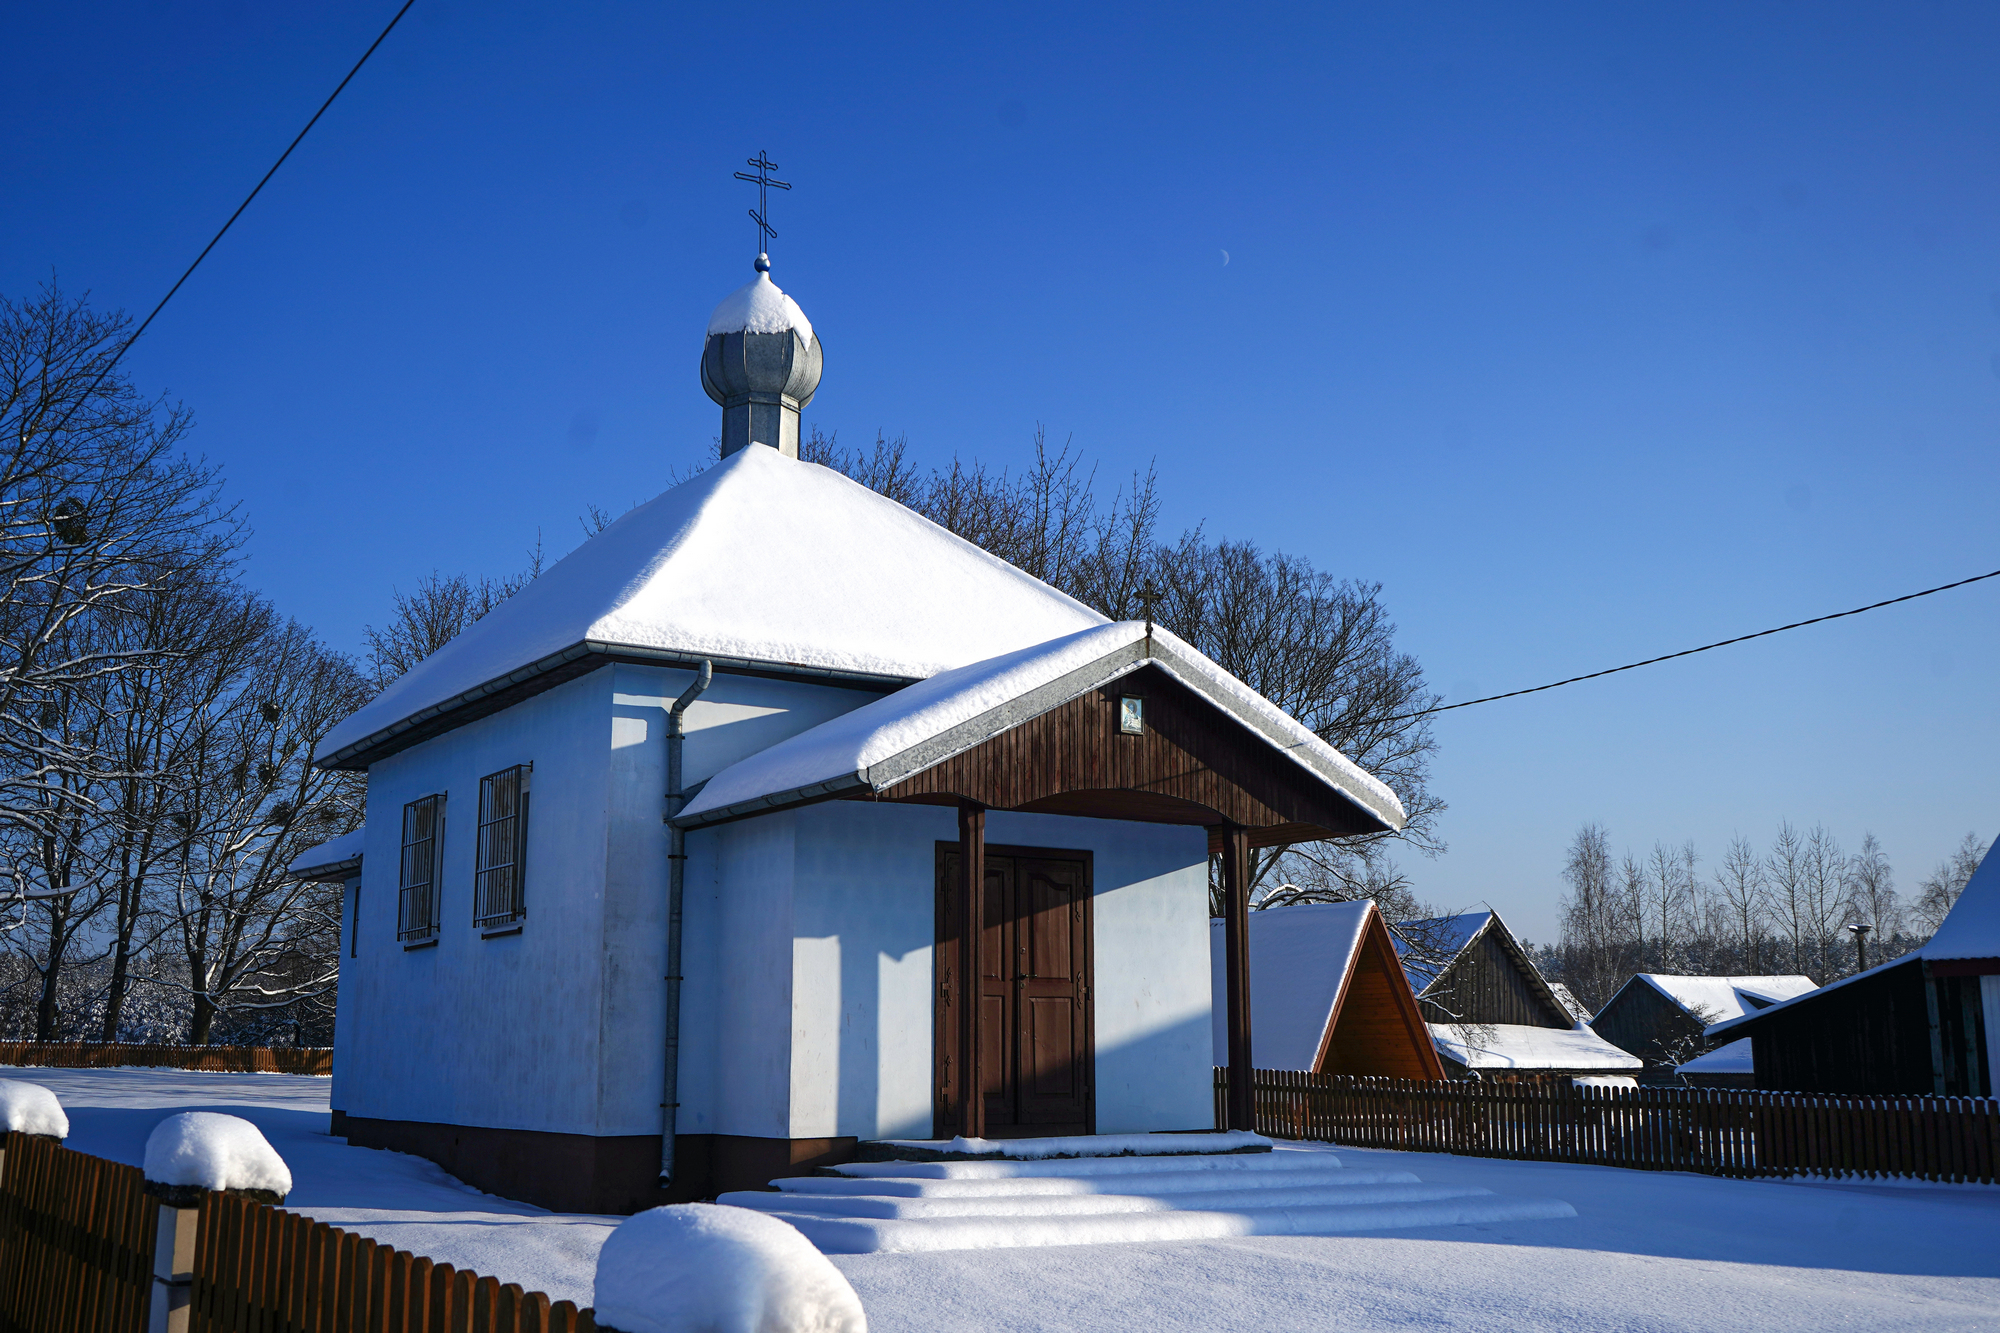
[[113, 1054], [1716, 1131], [76, 1256]]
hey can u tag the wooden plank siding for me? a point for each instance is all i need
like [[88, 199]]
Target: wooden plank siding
[[1713, 1131], [1192, 764], [1377, 1027], [1487, 983], [1873, 1036], [1642, 1022]]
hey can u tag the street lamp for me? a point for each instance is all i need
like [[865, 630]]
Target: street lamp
[[1860, 930]]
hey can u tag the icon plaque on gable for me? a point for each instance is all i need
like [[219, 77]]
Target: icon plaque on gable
[[1131, 714]]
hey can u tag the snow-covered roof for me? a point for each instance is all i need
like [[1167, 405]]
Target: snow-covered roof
[[1448, 935], [884, 742], [342, 853], [760, 306], [1299, 956], [1972, 928], [1720, 999], [1731, 1059], [762, 561], [1519, 1046]]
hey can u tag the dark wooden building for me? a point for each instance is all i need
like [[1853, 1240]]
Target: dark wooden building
[[1490, 1011], [1664, 1018], [1928, 1022]]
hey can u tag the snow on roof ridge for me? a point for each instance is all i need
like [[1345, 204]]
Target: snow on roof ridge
[[759, 306], [904, 733], [1724, 995], [734, 564]]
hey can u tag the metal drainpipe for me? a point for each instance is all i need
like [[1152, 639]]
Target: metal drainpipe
[[670, 1104]]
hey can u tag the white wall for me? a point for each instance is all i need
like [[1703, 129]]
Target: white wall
[[807, 1006], [477, 1031], [562, 1027]]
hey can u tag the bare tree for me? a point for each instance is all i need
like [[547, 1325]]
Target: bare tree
[[1940, 889], [437, 611], [249, 937], [99, 511], [1741, 888], [1871, 891]]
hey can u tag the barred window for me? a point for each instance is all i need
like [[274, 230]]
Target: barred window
[[417, 898], [497, 899]]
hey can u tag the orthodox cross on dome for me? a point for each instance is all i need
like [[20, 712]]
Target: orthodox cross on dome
[[762, 180], [1147, 595]]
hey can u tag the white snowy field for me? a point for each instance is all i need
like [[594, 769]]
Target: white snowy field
[[1646, 1251]]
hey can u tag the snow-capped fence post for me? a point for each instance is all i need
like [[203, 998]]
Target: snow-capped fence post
[[188, 1155], [29, 1108], [706, 1268]]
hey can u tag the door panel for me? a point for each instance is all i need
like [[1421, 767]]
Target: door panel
[[1036, 1064]]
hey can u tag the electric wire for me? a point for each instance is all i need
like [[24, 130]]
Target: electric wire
[[1689, 652], [126, 346]]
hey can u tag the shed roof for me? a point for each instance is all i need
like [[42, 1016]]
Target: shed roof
[[1719, 999], [1519, 1046], [881, 744], [762, 562]]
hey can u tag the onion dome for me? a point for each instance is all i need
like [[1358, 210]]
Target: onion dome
[[761, 361]]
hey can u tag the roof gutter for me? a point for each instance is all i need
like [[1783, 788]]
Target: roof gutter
[[670, 1103]]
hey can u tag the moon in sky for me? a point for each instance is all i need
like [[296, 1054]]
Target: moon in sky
[[1225, 259]]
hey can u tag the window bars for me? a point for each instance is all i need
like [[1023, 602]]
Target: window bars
[[497, 899], [417, 896]]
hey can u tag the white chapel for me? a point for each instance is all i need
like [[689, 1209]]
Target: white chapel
[[668, 862]]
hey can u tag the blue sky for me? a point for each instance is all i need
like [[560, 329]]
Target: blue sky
[[1591, 332]]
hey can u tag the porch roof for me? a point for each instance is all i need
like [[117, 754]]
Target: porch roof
[[881, 749]]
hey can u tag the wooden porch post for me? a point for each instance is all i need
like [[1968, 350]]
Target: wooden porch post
[[972, 914], [1236, 969]]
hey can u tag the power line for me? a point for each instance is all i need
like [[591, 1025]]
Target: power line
[[1689, 652], [127, 344]]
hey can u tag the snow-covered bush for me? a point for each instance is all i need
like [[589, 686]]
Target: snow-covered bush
[[30, 1108], [201, 1150], [700, 1268]]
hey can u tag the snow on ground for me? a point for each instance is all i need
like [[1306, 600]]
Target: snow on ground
[[1651, 1251]]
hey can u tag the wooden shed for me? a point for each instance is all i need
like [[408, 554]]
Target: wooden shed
[[1928, 1022], [1662, 1017], [1327, 995], [1491, 1012]]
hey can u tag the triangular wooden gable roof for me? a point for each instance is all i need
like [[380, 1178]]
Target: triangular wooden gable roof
[[1494, 933], [1041, 731]]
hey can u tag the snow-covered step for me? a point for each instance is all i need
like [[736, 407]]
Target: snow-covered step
[[1150, 1183], [989, 1204], [1081, 1167], [1084, 1205], [857, 1235]]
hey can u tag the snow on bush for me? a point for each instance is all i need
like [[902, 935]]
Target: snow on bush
[[703, 1268], [30, 1108], [204, 1150]]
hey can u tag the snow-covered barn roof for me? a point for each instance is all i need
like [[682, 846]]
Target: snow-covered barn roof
[[761, 563], [882, 743], [1720, 999], [1520, 1046], [329, 860]]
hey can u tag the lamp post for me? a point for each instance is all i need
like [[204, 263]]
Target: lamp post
[[1860, 931]]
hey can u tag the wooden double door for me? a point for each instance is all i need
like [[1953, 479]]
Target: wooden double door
[[1038, 1066]]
